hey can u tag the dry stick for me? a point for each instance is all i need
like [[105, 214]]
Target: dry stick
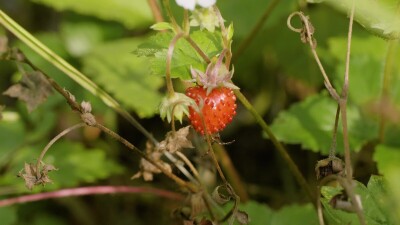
[[343, 108], [281, 149], [155, 10], [343, 100], [257, 28], [95, 190], [332, 150], [116, 136], [311, 41], [51, 142]]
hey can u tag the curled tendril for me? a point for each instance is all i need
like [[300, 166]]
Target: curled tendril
[[306, 31]]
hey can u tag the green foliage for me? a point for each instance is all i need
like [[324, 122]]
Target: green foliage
[[130, 13], [113, 66], [8, 215], [261, 214], [379, 17], [184, 55], [367, 55], [310, 123], [374, 200], [76, 164], [387, 159]]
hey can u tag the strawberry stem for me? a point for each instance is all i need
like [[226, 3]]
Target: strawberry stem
[[170, 52]]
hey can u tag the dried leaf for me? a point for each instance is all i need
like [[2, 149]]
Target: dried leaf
[[32, 89], [147, 169], [242, 217], [32, 179], [176, 141], [219, 197]]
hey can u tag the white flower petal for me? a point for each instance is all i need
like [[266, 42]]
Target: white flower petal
[[187, 4], [206, 3]]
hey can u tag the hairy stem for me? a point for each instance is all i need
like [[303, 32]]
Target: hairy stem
[[51, 142], [170, 53], [343, 100], [281, 149], [197, 49], [226, 42], [171, 16], [155, 9], [94, 190], [256, 29]]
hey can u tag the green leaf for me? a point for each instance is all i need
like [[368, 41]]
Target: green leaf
[[295, 215], [125, 75], [378, 17], [261, 214], [76, 164], [8, 215], [387, 159], [310, 123], [366, 66], [162, 26], [184, 55], [373, 200], [130, 13]]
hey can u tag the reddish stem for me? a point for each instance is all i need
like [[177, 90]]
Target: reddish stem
[[96, 190]]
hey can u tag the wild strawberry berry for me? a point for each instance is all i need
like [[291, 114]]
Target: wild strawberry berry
[[217, 108]]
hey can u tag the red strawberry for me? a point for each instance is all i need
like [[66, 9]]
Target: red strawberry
[[217, 108]]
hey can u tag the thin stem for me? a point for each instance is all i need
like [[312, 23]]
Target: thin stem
[[214, 158], [343, 100], [197, 49], [129, 145], [231, 172], [387, 78], [155, 9], [180, 166], [281, 149], [226, 42], [188, 163], [95, 190], [356, 202], [307, 36], [332, 150], [51, 142], [170, 16], [256, 29], [170, 52], [319, 208]]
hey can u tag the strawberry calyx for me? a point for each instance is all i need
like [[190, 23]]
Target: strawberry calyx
[[216, 75]]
